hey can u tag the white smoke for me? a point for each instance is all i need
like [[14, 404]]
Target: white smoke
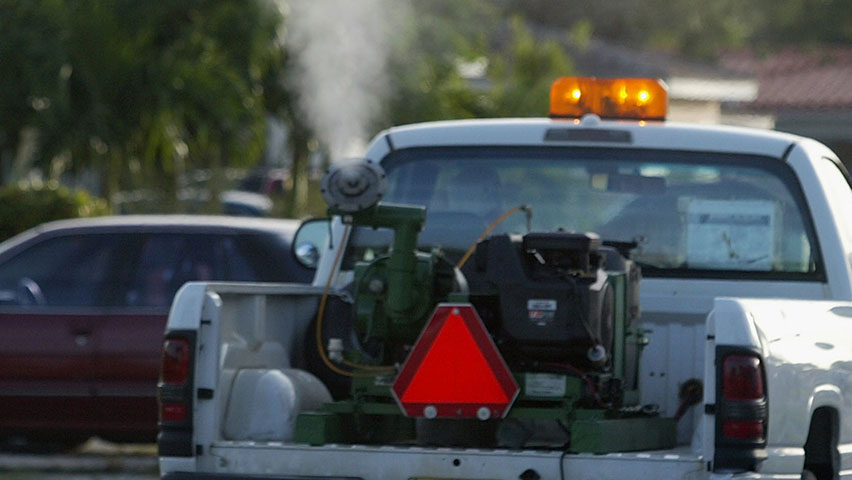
[[341, 48]]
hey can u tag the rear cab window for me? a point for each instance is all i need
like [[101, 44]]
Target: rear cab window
[[693, 214]]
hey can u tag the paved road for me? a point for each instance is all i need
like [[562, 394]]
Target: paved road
[[96, 460], [76, 476]]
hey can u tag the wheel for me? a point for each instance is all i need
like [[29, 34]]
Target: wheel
[[13, 443], [56, 443], [808, 475], [42, 443]]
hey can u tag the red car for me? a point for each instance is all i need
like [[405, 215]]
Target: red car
[[83, 305]]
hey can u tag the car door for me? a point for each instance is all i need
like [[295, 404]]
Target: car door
[[128, 342], [128, 347], [50, 288]]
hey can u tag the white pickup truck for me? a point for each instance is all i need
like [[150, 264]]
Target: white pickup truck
[[744, 240]]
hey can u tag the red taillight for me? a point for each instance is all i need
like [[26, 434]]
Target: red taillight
[[742, 410], [743, 429], [175, 368], [175, 395], [173, 412], [742, 378]]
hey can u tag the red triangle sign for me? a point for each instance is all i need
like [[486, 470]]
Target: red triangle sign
[[455, 370]]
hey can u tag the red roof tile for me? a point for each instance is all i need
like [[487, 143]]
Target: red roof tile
[[799, 79]]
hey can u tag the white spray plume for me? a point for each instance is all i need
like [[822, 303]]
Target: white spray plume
[[341, 48]]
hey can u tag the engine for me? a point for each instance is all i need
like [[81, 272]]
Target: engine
[[548, 297], [559, 310]]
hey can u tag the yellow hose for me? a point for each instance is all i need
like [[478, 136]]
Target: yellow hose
[[488, 230]]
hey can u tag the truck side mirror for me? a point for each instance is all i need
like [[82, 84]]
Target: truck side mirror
[[310, 240]]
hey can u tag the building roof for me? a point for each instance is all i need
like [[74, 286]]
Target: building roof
[[687, 80], [804, 79]]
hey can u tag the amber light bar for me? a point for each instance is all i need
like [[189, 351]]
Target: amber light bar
[[624, 98]]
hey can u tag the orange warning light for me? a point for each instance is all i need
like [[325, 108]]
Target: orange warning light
[[625, 98]]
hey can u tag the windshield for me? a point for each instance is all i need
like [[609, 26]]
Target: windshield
[[686, 211]]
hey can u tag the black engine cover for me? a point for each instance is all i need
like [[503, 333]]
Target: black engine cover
[[553, 301]]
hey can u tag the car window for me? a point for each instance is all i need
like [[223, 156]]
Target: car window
[[169, 260], [70, 270], [690, 213], [161, 261], [267, 258], [140, 269]]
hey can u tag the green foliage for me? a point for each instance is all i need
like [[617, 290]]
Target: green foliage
[[524, 72], [140, 91], [518, 68], [809, 22], [314, 205], [699, 29], [31, 58], [24, 207], [425, 63], [145, 92]]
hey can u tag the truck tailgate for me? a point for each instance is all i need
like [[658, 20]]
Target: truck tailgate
[[384, 462]]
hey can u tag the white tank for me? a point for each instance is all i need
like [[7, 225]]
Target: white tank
[[264, 403]]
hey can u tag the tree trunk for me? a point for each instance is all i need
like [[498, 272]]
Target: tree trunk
[[297, 198]]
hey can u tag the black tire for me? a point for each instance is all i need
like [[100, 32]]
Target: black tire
[[822, 460], [808, 475], [42, 443]]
